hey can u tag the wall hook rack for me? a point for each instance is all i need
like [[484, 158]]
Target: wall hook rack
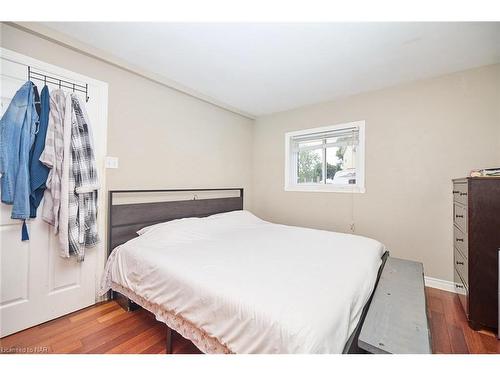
[[59, 82]]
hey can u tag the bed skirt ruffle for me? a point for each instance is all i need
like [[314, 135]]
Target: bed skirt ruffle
[[206, 343]]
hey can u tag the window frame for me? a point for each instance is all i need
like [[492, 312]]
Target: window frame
[[291, 160]]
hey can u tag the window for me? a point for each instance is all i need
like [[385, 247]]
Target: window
[[329, 158]]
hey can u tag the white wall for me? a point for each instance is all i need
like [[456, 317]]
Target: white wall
[[418, 137], [163, 138]]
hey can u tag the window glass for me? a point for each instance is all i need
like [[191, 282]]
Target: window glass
[[341, 165], [310, 167]]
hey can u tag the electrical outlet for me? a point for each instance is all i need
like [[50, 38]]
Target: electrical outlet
[[353, 227], [111, 162]]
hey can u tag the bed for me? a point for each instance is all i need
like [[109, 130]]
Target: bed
[[233, 283]]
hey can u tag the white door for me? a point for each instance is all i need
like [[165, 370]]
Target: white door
[[36, 285]]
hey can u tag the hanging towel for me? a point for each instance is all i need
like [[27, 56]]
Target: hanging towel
[[83, 183], [39, 171], [52, 157]]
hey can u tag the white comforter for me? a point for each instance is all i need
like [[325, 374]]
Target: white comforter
[[255, 286]]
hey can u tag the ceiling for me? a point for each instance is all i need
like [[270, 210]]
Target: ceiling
[[261, 68]]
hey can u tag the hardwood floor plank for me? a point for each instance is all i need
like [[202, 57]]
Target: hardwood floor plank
[[68, 336], [146, 341], [435, 304], [92, 340], [491, 344], [90, 312], [156, 348], [115, 314], [440, 336], [457, 340], [111, 331], [67, 347], [80, 331], [123, 338], [455, 313], [127, 345], [473, 340]]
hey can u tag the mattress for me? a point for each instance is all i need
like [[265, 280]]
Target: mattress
[[235, 283]]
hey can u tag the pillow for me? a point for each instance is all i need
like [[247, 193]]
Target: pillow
[[149, 228], [146, 229], [228, 215]]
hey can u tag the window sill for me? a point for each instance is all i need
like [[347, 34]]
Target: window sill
[[325, 189]]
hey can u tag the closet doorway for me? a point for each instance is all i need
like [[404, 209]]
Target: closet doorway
[[36, 284]]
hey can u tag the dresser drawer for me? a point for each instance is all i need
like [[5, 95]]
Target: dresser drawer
[[462, 292], [462, 266], [460, 216], [460, 241], [460, 193]]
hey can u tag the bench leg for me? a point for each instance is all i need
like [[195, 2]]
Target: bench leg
[[168, 341]]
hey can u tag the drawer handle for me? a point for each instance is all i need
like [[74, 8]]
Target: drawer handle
[[459, 216], [459, 286], [459, 239], [459, 263], [463, 194], [455, 192]]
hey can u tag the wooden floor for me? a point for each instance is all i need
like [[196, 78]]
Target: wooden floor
[[102, 328], [449, 328], [107, 328]]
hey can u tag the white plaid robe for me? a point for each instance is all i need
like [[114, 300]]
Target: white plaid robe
[[83, 183], [52, 157]]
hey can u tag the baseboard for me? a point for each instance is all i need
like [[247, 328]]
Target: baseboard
[[432, 282]]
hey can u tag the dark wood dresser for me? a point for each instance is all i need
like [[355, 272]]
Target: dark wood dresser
[[476, 226]]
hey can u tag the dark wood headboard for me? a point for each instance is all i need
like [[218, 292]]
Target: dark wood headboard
[[124, 220]]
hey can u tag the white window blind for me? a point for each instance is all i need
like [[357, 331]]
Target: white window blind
[[333, 138]]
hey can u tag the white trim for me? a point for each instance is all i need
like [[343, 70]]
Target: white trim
[[446, 285], [329, 188], [74, 44], [325, 188]]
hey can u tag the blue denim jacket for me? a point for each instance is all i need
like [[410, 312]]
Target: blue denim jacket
[[17, 134], [39, 171]]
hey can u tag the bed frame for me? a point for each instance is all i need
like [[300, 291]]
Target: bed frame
[[124, 220]]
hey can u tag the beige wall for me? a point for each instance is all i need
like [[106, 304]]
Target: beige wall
[[163, 138], [418, 137]]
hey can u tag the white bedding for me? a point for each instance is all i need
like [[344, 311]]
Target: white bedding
[[255, 286]]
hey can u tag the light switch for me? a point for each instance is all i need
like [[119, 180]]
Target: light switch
[[111, 162]]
